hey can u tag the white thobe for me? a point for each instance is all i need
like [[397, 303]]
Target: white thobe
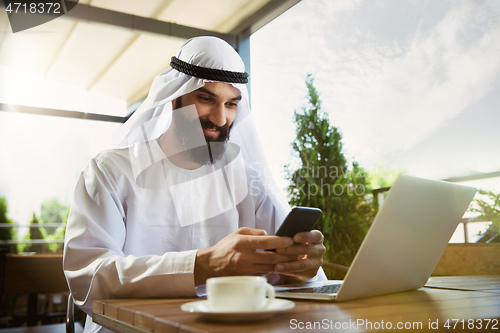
[[127, 236]]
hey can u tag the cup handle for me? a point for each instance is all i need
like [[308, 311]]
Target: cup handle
[[270, 295]]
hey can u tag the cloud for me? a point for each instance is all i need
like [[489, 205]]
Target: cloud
[[387, 98]]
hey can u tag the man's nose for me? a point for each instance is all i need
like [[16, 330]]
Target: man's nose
[[218, 115]]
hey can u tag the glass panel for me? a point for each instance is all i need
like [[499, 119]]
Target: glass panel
[[41, 158]]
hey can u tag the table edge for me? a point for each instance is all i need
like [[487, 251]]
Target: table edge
[[115, 324]]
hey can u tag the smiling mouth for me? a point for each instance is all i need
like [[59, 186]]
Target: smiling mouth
[[211, 132]]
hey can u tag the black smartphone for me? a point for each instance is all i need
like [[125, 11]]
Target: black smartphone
[[299, 219]]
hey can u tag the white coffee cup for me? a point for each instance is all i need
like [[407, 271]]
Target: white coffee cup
[[239, 293]]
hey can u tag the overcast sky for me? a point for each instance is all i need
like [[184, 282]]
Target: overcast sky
[[412, 85]]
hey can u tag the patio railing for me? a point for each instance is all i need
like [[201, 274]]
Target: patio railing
[[12, 244]]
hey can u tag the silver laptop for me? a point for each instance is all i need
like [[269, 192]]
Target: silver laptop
[[404, 243]]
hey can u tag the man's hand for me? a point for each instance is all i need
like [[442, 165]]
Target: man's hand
[[236, 254], [308, 251]]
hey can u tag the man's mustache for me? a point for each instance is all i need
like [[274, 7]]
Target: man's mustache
[[223, 130], [207, 124]]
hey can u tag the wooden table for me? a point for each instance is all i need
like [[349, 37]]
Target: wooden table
[[443, 303]]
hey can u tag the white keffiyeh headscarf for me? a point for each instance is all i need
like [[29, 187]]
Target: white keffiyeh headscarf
[[154, 116]]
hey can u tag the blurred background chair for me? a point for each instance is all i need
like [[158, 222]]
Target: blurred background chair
[[36, 284]]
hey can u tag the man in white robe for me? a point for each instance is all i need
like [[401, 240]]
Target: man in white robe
[[186, 196]]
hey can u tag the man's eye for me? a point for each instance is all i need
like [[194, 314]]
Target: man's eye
[[204, 99], [233, 105]]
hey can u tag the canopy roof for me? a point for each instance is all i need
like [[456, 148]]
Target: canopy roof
[[116, 47]]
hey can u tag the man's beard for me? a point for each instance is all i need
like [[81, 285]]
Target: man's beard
[[185, 130]]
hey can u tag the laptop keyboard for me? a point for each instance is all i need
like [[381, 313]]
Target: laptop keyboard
[[332, 288]]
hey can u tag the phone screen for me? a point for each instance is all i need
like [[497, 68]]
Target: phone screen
[[299, 219]]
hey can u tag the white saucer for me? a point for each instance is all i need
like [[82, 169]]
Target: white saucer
[[201, 307]]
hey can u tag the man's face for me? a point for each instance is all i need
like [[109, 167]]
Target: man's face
[[216, 105]]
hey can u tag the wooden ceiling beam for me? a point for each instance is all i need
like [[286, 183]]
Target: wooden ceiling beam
[[139, 24]]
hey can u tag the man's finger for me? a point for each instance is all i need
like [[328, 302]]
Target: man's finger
[[313, 236], [250, 231], [272, 258], [309, 249], [298, 266], [268, 242]]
